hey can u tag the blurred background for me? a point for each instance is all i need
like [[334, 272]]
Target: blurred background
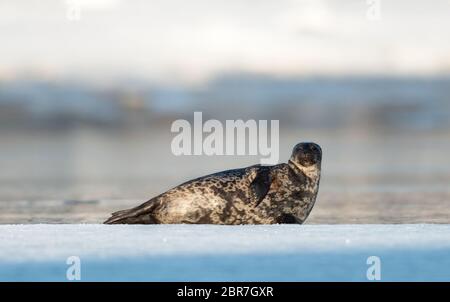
[[89, 89]]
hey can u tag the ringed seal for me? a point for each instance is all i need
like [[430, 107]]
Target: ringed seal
[[283, 193]]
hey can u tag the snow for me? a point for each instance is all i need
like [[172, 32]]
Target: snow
[[224, 253]]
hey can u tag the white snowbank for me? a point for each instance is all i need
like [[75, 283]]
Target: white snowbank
[[235, 253]]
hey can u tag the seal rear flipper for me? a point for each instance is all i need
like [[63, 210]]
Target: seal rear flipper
[[138, 215], [141, 219]]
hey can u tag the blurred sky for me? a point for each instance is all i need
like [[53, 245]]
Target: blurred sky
[[193, 41]]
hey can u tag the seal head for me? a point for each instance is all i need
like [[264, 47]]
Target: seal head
[[307, 157]]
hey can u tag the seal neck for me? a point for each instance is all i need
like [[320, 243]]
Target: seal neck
[[311, 172]]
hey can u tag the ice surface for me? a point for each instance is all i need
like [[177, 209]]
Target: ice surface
[[234, 253]]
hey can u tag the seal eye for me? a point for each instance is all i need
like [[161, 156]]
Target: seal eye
[[315, 148]]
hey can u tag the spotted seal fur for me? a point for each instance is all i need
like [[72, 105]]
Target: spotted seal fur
[[283, 193]]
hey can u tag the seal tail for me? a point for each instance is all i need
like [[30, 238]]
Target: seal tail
[[138, 215]]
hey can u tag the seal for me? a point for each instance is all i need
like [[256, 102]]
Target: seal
[[283, 193]]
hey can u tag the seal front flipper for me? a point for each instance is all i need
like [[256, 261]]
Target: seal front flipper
[[260, 184], [288, 219], [138, 215]]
